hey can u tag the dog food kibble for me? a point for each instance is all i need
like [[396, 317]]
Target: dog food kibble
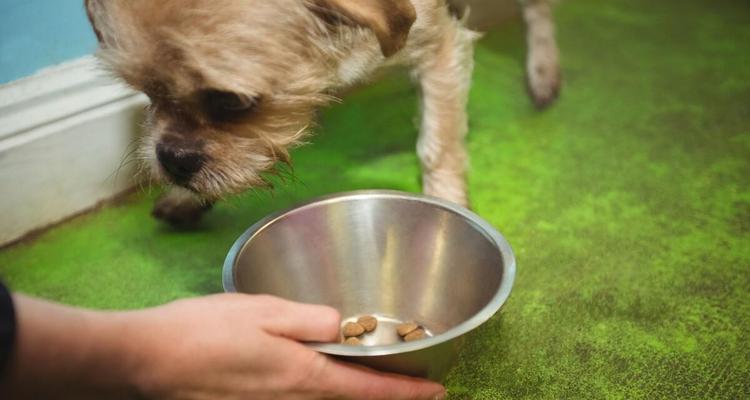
[[368, 322], [352, 329], [406, 328], [415, 335], [353, 341]]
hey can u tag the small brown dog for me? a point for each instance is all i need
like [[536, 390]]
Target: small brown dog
[[234, 84]]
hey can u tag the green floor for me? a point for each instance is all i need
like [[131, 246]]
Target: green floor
[[627, 203]]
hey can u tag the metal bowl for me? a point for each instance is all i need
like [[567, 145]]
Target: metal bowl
[[397, 256]]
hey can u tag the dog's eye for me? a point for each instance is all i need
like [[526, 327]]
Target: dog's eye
[[224, 106]]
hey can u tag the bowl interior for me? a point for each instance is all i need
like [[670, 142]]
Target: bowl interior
[[399, 258]]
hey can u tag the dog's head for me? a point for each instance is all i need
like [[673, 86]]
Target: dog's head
[[234, 84]]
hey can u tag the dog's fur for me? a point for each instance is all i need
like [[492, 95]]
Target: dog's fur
[[234, 84]]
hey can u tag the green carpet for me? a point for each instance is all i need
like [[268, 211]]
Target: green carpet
[[627, 203]]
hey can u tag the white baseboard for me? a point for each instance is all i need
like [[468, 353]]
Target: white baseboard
[[63, 136]]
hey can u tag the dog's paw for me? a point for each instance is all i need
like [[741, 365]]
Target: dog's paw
[[179, 210], [543, 76]]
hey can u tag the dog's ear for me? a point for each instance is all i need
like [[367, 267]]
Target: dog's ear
[[390, 20], [94, 10]]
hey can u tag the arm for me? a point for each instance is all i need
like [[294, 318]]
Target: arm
[[83, 352], [218, 347]]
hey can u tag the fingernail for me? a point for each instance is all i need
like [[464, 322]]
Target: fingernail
[[440, 396]]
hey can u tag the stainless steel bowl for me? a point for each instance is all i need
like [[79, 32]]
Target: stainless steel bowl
[[398, 256]]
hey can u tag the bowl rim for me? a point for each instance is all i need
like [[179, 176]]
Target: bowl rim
[[484, 227]]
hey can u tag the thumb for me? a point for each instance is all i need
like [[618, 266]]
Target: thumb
[[301, 322], [355, 382]]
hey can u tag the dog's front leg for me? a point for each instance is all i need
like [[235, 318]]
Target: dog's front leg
[[542, 63], [180, 207], [445, 78]]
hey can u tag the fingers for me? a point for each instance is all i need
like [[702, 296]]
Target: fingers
[[354, 382], [302, 322]]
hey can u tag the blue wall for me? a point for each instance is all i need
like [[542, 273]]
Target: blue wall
[[35, 34]]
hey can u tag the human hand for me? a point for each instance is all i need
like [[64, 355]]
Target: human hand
[[234, 346]]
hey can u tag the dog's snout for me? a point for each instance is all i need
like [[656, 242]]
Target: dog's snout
[[180, 162]]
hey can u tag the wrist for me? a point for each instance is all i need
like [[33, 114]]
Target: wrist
[[137, 346], [119, 357]]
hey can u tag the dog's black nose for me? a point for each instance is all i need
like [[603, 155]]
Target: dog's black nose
[[181, 163]]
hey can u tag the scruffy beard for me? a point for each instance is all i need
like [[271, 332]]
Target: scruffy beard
[[234, 164]]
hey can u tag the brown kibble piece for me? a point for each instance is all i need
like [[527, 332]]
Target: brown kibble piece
[[353, 341], [368, 322], [415, 335], [352, 329], [406, 328]]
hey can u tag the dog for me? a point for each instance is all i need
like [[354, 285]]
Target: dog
[[235, 84]]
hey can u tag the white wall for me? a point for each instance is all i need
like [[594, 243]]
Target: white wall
[[63, 136]]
